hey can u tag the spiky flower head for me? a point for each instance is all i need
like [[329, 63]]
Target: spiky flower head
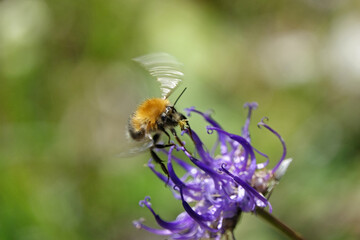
[[221, 187]]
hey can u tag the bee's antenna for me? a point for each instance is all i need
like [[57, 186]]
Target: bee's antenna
[[179, 96]]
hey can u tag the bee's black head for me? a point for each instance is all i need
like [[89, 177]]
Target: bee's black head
[[170, 117]]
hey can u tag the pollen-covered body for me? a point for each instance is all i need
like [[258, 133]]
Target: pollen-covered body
[[146, 116]]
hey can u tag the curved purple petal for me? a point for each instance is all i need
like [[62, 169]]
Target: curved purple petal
[[175, 179], [208, 170], [161, 176], [281, 140], [138, 224], [204, 155], [208, 118], [200, 219], [177, 225], [247, 187], [245, 130], [187, 167], [247, 148], [264, 164]]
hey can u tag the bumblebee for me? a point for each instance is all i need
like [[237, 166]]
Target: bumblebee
[[156, 115]]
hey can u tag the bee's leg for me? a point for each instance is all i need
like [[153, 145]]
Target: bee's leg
[[156, 138], [156, 157], [162, 129], [160, 162], [176, 137]]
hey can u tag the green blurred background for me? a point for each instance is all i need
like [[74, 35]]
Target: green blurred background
[[68, 85]]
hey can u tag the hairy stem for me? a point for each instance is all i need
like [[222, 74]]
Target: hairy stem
[[278, 224]]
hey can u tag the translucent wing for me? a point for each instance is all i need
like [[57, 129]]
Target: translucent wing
[[166, 69], [135, 148]]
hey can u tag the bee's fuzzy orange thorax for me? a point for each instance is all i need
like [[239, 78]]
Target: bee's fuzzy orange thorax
[[148, 112]]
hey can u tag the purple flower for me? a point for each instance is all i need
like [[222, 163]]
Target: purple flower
[[220, 187]]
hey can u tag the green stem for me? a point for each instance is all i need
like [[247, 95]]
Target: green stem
[[278, 224]]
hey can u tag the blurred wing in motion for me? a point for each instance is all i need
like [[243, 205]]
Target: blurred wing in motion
[[136, 147], [166, 69]]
